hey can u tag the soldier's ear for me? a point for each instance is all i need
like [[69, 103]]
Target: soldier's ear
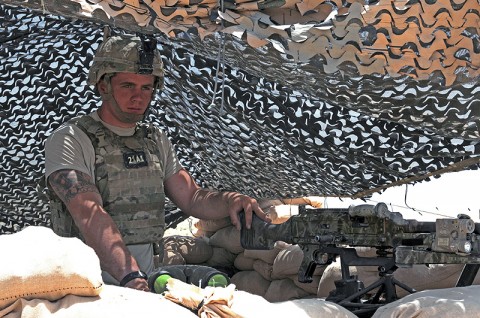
[[102, 87]]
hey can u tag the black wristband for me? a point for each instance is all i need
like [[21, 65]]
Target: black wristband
[[132, 276]]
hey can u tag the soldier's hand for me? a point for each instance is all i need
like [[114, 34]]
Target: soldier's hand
[[139, 284], [239, 202]]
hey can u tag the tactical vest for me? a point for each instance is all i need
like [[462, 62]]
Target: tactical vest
[[129, 175]]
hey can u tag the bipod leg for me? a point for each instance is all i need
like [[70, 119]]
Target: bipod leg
[[468, 275], [388, 287]]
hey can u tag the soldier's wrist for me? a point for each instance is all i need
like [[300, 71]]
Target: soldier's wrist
[[133, 275]]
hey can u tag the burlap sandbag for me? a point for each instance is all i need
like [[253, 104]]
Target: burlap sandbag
[[221, 257], [310, 288], [263, 269], [172, 258], [282, 290], [113, 301], [419, 277], [267, 256], [459, 302], [250, 281], [243, 263], [253, 306], [202, 233], [194, 250], [228, 238], [213, 225], [37, 263], [288, 261], [208, 302]]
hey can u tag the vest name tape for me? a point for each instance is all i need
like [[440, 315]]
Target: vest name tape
[[135, 159]]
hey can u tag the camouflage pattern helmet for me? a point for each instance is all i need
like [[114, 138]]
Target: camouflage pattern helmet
[[127, 53]]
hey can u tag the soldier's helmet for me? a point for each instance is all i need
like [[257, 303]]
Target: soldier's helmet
[[127, 53]]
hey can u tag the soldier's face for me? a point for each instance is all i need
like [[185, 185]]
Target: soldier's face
[[130, 96]]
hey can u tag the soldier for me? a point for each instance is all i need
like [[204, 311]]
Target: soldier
[[108, 172]]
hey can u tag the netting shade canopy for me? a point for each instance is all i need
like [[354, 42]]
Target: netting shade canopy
[[282, 124]]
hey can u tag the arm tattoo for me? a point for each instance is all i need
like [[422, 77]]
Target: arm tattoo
[[68, 183]]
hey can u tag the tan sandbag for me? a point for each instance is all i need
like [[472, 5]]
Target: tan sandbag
[[314, 308], [364, 251], [228, 238], [213, 225], [221, 257], [253, 306], [113, 301], [331, 273], [172, 258], [419, 277], [208, 302], [282, 290], [310, 288], [250, 281], [37, 263], [243, 263], [263, 269], [457, 302], [288, 261], [202, 233], [267, 256], [194, 250]]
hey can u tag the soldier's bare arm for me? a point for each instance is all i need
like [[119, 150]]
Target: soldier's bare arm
[[82, 198], [206, 204]]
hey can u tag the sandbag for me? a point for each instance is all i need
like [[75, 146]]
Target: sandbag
[[253, 306], [263, 269], [243, 263], [458, 302], [250, 281], [310, 288], [213, 225], [113, 301], [194, 250], [419, 277], [288, 261], [37, 263], [202, 233], [282, 290], [267, 256], [172, 258], [331, 273], [221, 258], [228, 238]]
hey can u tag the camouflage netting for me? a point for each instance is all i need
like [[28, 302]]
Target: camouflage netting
[[319, 98]]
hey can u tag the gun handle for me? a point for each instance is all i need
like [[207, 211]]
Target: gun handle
[[251, 239], [263, 235], [307, 268]]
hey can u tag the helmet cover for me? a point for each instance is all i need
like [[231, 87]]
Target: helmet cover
[[129, 54]]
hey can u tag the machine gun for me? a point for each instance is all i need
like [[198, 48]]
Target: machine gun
[[324, 234]]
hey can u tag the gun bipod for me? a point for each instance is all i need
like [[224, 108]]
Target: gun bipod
[[351, 293]]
